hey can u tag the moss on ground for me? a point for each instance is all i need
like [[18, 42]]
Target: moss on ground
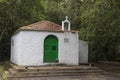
[[3, 67]]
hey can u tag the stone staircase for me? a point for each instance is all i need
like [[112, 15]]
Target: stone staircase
[[50, 71]]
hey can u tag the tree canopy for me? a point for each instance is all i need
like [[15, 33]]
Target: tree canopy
[[98, 22]]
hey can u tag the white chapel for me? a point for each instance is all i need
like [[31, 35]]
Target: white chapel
[[45, 42]]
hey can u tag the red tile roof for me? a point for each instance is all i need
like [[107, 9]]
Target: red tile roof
[[44, 26]]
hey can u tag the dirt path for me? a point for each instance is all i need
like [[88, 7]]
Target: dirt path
[[81, 77]]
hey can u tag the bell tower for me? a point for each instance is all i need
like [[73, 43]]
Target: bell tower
[[66, 21]]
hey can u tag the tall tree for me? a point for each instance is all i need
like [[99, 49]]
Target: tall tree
[[58, 9], [16, 13], [100, 23]]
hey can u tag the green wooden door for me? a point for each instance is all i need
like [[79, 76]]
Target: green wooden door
[[50, 49]]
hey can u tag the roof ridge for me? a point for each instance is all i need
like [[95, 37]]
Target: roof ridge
[[43, 25], [39, 22]]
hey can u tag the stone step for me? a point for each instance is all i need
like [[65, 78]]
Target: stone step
[[63, 67], [55, 68], [49, 71], [16, 66], [42, 70], [47, 75], [39, 70], [12, 71]]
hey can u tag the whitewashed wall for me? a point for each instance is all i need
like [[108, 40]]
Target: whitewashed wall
[[15, 48], [30, 52], [83, 52]]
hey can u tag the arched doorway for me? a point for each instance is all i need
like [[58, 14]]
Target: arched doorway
[[51, 49]]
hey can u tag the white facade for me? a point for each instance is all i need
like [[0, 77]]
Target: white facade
[[27, 45], [27, 48], [83, 52]]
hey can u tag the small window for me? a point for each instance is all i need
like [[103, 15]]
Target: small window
[[66, 40]]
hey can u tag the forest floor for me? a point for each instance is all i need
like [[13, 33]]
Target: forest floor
[[110, 67]]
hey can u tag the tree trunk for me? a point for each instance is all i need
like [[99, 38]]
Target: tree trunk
[[1, 36]]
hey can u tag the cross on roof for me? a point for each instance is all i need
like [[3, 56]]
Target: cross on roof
[[66, 17]]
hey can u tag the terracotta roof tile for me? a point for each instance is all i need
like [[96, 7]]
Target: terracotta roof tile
[[43, 26]]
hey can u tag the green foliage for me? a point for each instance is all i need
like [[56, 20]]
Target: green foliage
[[97, 20], [100, 23], [58, 9], [2, 73], [16, 13]]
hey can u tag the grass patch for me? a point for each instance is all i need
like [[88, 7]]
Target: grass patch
[[3, 67], [3, 76]]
